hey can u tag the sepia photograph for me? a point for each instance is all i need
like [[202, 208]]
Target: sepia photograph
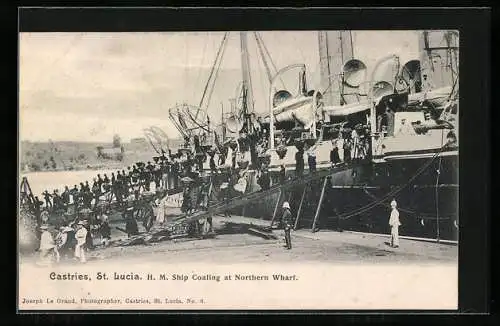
[[311, 169]]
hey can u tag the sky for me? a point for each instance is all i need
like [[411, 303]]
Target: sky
[[90, 86]]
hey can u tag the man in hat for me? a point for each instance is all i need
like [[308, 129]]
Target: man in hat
[[104, 228], [286, 224], [81, 238], [96, 190], [56, 199], [47, 244], [157, 175], [61, 239], [311, 160], [100, 181], [65, 195], [82, 188], [264, 180], [355, 144], [47, 196], [125, 178], [299, 162], [117, 187], [106, 179], [131, 224], [38, 210], [394, 223]]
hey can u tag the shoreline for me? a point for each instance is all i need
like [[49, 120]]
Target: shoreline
[[92, 168]]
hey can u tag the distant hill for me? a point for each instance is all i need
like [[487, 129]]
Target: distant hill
[[70, 155]]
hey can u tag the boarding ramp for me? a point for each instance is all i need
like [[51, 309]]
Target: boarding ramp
[[320, 176]]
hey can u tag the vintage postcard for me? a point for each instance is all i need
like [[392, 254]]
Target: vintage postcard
[[238, 170]]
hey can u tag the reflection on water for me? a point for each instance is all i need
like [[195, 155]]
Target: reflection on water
[[50, 180]]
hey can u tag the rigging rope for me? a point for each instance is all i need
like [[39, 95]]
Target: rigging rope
[[270, 58], [426, 216], [216, 75], [261, 78], [201, 66], [261, 51], [394, 191], [221, 47]]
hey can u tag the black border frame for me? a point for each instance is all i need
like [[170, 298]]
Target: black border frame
[[474, 27]]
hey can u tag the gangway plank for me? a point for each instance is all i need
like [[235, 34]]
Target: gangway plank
[[255, 196]]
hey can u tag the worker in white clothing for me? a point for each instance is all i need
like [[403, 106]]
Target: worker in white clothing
[[81, 236], [47, 245], [394, 224]]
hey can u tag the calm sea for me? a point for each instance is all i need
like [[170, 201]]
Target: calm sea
[[41, 181]]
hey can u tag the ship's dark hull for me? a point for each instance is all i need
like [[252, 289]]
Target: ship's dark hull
[[358, 198]]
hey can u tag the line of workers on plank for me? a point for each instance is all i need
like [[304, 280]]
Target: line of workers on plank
[[166, 173], [354, 146]]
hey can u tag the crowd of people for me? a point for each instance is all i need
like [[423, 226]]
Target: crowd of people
[[184, 169], [74, 238]]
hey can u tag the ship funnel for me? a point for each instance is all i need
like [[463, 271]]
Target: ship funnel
[[354, 72], [411, 76], [382, 88], [280, 97], [385, 76]]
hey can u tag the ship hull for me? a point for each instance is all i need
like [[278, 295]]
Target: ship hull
[[357, 198]]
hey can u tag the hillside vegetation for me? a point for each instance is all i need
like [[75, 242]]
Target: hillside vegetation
[[68, 155]]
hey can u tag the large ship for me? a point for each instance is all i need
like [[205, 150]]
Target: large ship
[[377, 133]]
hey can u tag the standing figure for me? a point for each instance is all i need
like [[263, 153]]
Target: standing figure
[[96, 189], [286, 224], [213, 166], [104, 229], [160, 210], [299, 162], [394, 223], [47, 196], [340, 147], [355, 144], [334, 153], [63, 242], [347, 150], [186, 199], [56, 200], [311, 160], [282, 175], [224, 192], [81, 238], [264, 179], [38, 210], [131, 224], [47, 244], [60, 241], [65, 196]]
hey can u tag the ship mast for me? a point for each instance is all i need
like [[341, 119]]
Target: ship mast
[[245, 69], [248, 104]]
